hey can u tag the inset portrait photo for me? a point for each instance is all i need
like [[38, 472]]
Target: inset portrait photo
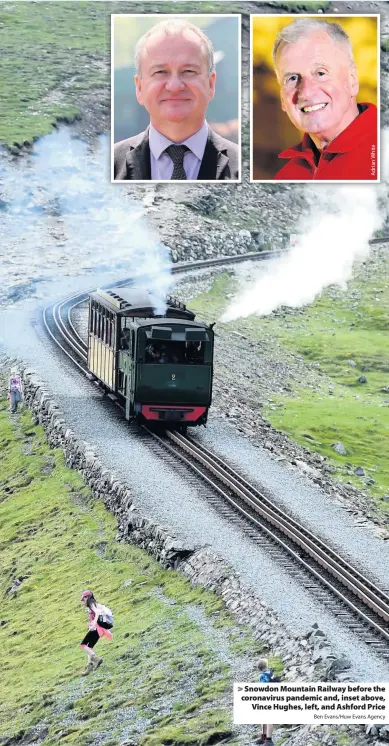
[[175, 97], [315, 98]]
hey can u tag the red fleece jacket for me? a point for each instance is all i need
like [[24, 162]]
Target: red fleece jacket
[[352, 155]]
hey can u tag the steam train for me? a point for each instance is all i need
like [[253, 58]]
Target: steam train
[[159, 366]]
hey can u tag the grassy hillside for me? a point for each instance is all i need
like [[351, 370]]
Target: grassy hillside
[[344, 334], [166, 677], [54, 54], [55, 57], [51, 54]]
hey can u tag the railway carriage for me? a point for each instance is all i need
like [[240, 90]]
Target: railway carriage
[[159, 366]]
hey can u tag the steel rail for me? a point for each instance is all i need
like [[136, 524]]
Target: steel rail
[[73, 339], [70, 322], [370, 595], [52, 310], [259, 507], [260, 502]]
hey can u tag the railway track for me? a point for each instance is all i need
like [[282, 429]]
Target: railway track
[[350, 595], [57, 317], [357, 600]]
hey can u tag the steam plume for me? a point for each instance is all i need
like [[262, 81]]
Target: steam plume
[[333, 235], [59, 214]]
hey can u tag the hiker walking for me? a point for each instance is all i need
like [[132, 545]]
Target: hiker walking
[[266, 677], [15, 390], [100, 623]]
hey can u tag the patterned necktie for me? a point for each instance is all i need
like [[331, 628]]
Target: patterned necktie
[[176, 153]]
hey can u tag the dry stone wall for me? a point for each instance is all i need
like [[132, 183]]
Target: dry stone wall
[[309, 658]]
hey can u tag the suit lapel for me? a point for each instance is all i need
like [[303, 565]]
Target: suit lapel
[[138, 160], [214, 160], [222, 163], [214, 163]]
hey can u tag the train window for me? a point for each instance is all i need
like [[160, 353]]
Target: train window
[[126, 334], [156, 352], [125, 339], [194, 352], [125, 323], [174, 351], [99, 322], [121, 381], [106, 324]]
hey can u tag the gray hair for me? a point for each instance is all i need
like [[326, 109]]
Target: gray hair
[[263, 664], [174, 27], [302, 27]]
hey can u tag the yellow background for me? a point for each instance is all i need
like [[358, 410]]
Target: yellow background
[[272, 132]]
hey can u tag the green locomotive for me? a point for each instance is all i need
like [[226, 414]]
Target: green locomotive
[[160, 366]]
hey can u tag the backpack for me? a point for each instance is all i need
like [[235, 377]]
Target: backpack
[[267, 677], [106, 615]]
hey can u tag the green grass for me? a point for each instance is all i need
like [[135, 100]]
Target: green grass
[[51, 534], [46, 46], [357, 425], [338, 327], [51, 59], [311, 6], [52, 54], [344, 739]]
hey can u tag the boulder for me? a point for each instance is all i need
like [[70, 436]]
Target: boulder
[[339, 448]]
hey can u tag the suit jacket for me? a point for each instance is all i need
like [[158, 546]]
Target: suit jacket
[[132, 158]]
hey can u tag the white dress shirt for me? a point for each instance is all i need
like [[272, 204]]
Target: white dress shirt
[[161, 163]]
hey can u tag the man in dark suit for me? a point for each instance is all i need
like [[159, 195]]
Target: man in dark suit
[[175, 81]]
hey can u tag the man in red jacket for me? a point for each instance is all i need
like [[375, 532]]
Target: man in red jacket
[[319, 85]]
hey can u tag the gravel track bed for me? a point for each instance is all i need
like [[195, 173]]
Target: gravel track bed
[[166, 497], [304, 500], [247, 376], [281, 482]]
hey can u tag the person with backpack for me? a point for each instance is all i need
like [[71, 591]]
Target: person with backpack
[[100, 623], [266, 677]]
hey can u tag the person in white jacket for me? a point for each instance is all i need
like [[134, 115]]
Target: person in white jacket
[[99, 625]]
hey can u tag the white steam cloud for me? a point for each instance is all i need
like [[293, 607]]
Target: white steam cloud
[[59, 214], [332, 237]]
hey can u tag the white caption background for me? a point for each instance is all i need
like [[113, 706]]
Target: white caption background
[[313, 703]]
